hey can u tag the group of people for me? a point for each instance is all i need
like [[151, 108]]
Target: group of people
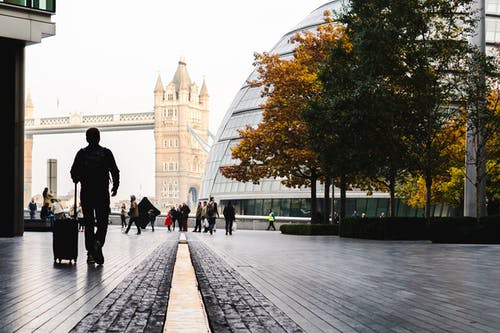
[[205, 217]]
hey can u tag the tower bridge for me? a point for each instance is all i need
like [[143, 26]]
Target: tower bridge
[[180, 123], [77, 123]]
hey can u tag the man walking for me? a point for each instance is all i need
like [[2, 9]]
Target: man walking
[[92, 168], [271, 217], [229, 216]]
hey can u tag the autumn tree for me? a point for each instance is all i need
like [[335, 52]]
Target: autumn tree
[[279, 146]]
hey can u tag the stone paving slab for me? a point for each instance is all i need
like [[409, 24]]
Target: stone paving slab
[[332, 284], [139, 302], [233, 304]]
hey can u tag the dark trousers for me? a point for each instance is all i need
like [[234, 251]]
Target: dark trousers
[[211, 224], [96, 225], [124, 222], [184, 224], [133, 220], [229, 226], [271, 225], [197, 226], [173, 223]]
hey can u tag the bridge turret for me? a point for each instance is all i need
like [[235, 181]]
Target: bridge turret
[[204, 94], [159, 91]]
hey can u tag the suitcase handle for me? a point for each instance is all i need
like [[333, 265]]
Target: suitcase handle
[[75, 210]]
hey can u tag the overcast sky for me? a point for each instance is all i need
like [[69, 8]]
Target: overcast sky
[[106, 56]]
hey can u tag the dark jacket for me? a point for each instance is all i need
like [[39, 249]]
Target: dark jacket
[[92, 168], [229, 213]]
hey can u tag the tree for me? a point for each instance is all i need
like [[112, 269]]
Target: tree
[[482, 118], [279, 147]]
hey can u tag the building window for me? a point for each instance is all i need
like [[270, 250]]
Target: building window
[[170, 97]]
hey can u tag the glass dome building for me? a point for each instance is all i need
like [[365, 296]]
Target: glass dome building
[[256, 199]]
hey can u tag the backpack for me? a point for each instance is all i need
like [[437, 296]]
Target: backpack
[[210, 209], [95, 159]]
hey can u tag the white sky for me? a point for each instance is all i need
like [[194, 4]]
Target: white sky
[[106, 55]]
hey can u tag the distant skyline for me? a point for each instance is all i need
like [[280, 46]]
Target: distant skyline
[[105, 59]]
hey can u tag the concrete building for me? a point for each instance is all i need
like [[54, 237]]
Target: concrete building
[[22, 23], [181, 128]]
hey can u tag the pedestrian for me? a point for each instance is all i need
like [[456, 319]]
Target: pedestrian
[[198, 217], [178, 215], [173, 216], [92, 168], [229, 216], [271, 218], [46, 214], [204, 217], [185, 210], [123, 215], [32, 207], [212, 214], [152, 218], [57, 209], [168, 221], [355, 214], [134, 215], [47, 197]]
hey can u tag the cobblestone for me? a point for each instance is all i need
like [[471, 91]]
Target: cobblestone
[[232, 303], [139, 302]]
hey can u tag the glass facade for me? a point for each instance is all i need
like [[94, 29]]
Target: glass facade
[[45, 5], [255, 199]]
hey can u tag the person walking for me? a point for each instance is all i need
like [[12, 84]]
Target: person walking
[[198, 217], [173, 216], [212, 214], [229, 216], [92, 168], [185, 210], [152, 219], [271, 218], [123, 215], [204, 217], [134, 215], [168, 221], [32, 207]]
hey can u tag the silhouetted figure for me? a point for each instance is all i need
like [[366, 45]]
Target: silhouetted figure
[[92, 168], [32, 207], [198, 217], [229, 216], [134, 215]]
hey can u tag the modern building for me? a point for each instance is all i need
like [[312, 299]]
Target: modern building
[[181, 129], [22, 23], [252, 199]]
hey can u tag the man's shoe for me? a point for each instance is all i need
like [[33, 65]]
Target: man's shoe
[[99, 258], [90, 259]]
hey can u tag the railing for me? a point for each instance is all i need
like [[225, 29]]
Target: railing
[[44, 5]]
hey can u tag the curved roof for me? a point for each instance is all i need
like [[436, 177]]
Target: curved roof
[[245, 110]]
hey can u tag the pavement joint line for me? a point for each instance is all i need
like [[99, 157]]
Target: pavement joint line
[[185, 310]]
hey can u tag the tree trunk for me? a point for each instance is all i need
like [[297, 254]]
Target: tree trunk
[[326, 201], [392, 190], [428, 186], [314, 201], [343, 200]]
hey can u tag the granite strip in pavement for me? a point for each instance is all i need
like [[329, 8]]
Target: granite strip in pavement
[[231, 302], [139, 302]]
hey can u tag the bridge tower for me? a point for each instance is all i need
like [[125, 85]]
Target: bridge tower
[[180, 160]]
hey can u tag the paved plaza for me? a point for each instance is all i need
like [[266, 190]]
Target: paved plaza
[[253, 281]]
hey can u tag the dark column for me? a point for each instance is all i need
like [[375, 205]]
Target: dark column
[[12, 108]]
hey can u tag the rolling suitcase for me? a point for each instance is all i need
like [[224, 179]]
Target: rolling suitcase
[[65, 238]]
